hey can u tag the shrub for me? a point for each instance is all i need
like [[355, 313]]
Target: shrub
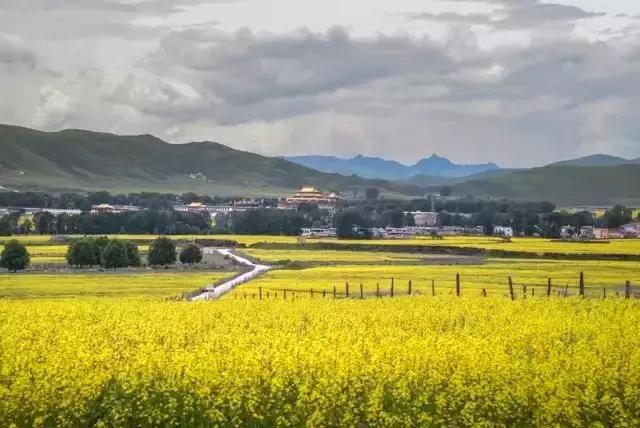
[[133, 255]]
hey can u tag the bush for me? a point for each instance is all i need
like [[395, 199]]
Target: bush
[[191, 254], [162, 252], [15, 256]]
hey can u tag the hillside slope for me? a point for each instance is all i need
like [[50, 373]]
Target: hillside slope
[[85, 160], [564, 185]]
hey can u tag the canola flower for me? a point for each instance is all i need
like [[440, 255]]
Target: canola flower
[[383, 363]]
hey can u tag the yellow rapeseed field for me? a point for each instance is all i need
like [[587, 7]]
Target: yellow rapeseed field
[[492, 276], [389, 363]]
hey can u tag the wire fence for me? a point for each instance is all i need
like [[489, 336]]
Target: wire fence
[[392, 288]]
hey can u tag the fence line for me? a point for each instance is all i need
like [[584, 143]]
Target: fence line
[[508, 290]]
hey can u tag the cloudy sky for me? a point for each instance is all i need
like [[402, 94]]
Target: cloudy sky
[[519, 82]]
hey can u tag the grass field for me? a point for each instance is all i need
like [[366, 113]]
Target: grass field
[[386, 363], [156, 285], [492, 276]]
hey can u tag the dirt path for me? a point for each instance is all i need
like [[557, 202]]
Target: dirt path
[[212, 293]]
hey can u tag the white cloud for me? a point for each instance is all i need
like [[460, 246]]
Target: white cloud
[[520, 82]]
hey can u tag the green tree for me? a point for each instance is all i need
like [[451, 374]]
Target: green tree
[[45, 223], [372, 193], [162, 252], [191, 254], [346, 223], [26, 227], [133, 254], [617, 216], [82, 253], [115, 255], [15, 256], [5, 226]]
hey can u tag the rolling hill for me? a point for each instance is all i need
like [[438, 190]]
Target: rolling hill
[[373, 167], [595, 160], [85, 160], [563, 185]]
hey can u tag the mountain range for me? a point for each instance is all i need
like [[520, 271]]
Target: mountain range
[[86, 160], [78, 160], [375, 167]]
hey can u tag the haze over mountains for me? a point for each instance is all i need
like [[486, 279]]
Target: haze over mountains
[[85, 160], [375, 167]]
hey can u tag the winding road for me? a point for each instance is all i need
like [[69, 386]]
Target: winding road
[[212, 293]]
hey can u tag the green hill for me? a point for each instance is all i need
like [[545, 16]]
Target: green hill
[[564, 185], [85, 160]]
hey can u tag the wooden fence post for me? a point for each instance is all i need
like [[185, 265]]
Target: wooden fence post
[[566, 291], [378, 290], [581, 284], [267, 294], [284, 293], [334, 292], [484, 292], [548, 287], [361, 292], [511, 293], [346, 289], [324, 293], [433, 287], [604, 292], [627, 290], [311, 292], [392, 286], [260, 292], [533, 292], [524, 291], [410, 286], [458, 284]]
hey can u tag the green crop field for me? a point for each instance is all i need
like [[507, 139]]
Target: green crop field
[[157, 284]]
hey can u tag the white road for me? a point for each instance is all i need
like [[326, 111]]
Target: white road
[[212, 293]]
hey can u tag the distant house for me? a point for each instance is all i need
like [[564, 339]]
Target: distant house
[[505, 231], [319, 233], [425, 219], [631, 230], [601, 233]]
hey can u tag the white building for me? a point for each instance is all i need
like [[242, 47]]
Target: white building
[[425, 219], [319, 233], [505, 231]]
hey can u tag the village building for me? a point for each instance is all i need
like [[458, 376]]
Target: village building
[[311, 195]]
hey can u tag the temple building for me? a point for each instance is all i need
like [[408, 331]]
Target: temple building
[[311, 195]]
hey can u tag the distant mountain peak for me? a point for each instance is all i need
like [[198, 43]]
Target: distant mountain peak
[[375, 167]]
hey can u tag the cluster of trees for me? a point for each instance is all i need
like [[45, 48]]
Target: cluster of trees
[[84, 201], [141, 222], [102, 251], [272, 221], [117, 253]]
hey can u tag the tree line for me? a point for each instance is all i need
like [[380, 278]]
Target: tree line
[[107, 253]]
